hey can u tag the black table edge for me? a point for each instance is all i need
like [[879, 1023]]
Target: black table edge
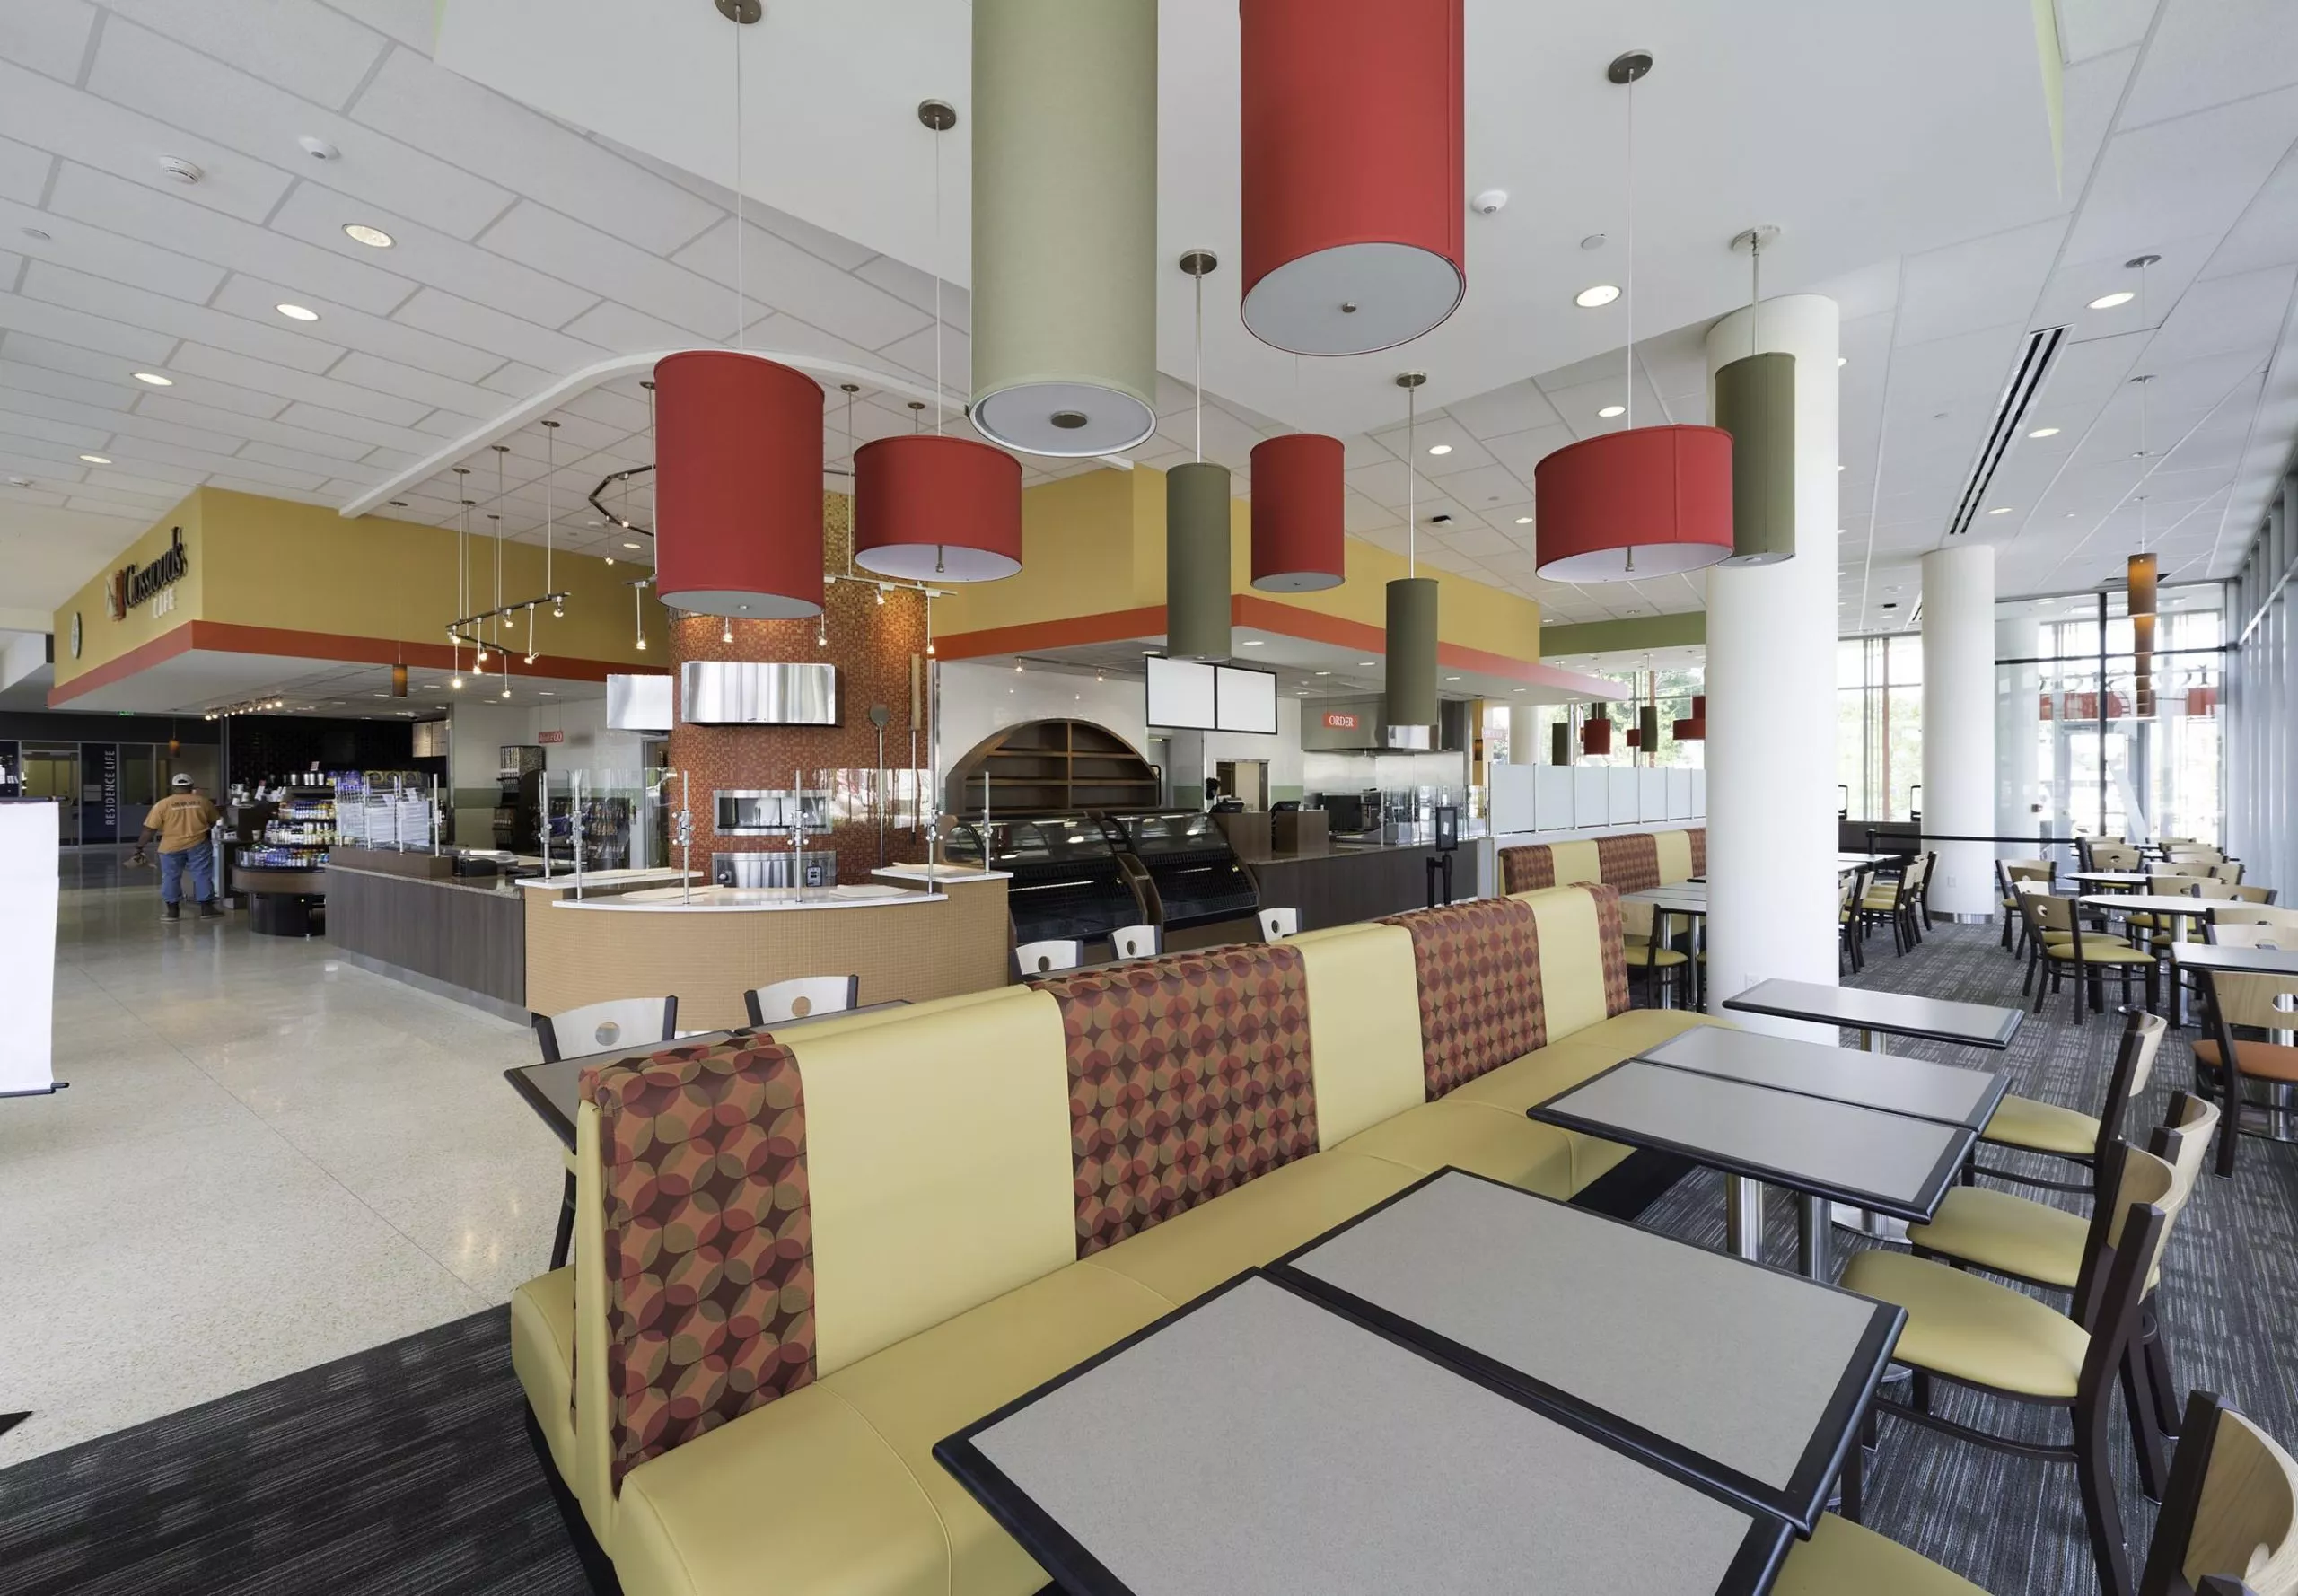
[[1075, 1569], [1935, 1183], [1984, 1110], [2017, 1017], [1799, 1503]]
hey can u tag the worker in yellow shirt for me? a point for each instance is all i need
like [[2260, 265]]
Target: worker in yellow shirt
[[180, 822]]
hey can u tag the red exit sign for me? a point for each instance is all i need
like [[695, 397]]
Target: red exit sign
[[1336, 721]]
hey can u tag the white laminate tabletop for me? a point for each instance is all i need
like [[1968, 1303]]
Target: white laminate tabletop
[[1890, 1162], [1258, 1442], [1751, 1370], [1883, 1081]]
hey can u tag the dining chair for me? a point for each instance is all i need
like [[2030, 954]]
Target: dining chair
[[2029, 1125], [1134, 942], [2010, 874], [1662, 966], [2001, 1342], [2058, 941], [1277, 924], [2228, 870], [1047, 956], [2229, 1527], [2225, 1066], [1851, 887], [2248, 894], [595, 1028], [800, 996]]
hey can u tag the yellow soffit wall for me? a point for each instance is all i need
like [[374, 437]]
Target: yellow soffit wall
[[103, 637], [1095, 544], [306, 574]]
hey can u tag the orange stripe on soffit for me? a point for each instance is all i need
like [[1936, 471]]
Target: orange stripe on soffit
[[1245, 609], [215, 636]]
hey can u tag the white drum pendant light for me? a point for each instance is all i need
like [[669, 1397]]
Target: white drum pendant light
[[1065, 223]]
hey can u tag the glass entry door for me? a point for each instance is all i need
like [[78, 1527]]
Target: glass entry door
[[54, 772]]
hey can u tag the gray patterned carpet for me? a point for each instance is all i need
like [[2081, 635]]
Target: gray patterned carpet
[[406, 1469], [2229, 1299]]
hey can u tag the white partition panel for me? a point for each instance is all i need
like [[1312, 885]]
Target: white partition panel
[[1699, 795], [1592, 797], [1626, 797], [1515, 798], [28, 886], [1652, 795], [1679, 794], [1553, 804]]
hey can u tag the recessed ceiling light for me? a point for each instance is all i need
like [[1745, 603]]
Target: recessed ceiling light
[[1440, 449], [1608, 411], [1368, 661], [2000, 510], [630, 546], [374, 238], [2108, 302], [1252, 642], [1588, 298], [2044, 431], [1324, 673], [1523, 521], [1451, 679], [1842, 361], [1842, 468], [155, 380], [97, 460], [297, 312]]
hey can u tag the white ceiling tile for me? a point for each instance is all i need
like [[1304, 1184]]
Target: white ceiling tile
[[610, 265], [288, 383], [262, 480], [364, 432], [318, 214], [1487, 486], [2225, 313], [780, 273], [399, 394], [82, 127], [787, 333], [296, 459], [58, 324], [518, 380], [1517, 407], [2208, 52], [908, 283], [626, 331], [471, 340], [48, 35], [1522, 453], [23, 171], [319, 54], [225, 434], [113, 392], [1984, 283], [109, 254], [400, 338], [459, 122], [158, 313], [10, 494], [2145, 188]]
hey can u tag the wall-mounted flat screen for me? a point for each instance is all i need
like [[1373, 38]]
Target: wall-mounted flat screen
[[1244, 700], [1181, 694]]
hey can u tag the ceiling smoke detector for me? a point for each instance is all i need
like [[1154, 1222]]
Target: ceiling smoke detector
[[180, 169], [1490, 202], [317, 148]]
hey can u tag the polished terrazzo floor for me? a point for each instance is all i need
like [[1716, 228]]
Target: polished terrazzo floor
[[266, 1159]]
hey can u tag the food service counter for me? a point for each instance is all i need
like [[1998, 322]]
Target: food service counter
[[1340, 884], [904, 936]]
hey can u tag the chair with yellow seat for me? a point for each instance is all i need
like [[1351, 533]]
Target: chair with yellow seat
[[1851, 889], [2228, 870], [1997, 1340], [2058, 941], [2229, 1527], [2010, 875], [2245, 893], [1663, 967], [1900, 902], [2029, 1125], [2254, 1080]]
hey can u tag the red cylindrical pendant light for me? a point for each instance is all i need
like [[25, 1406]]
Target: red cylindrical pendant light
[[1355, 182], [1596, 733], [1695, 729], [937, 509], [1298, 539], [738, 477], [1650, 502]]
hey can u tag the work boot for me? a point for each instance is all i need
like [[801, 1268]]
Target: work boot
[[171, 911], [208, 911]]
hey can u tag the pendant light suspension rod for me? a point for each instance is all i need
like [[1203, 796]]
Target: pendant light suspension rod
[[738, 16], [1410, 382], [549, 503]]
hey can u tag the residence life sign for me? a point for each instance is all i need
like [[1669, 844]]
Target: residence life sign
[[154, 584]]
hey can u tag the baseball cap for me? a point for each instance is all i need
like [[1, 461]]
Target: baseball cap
[[181, 780]]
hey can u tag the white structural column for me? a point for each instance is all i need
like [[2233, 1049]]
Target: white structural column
[[2019, 809], [1525, 743], [1771, 698], [1958, 724]]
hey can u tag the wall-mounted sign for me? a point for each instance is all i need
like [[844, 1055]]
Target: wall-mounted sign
[[1338, 721], [134, 585], [551, 737]]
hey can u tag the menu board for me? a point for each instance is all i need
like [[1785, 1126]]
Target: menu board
[[1189, 695]]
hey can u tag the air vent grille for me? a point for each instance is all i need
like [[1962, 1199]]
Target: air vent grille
[[2041, 347]]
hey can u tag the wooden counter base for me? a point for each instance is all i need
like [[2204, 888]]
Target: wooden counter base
[[907, 951]]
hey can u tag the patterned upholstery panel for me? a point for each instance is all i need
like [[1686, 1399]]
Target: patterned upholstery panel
[[1188, 1075], [1630, 862], [709, 1254], [1479, 966], [1610, 949], [1527, 869], [1699, 835]]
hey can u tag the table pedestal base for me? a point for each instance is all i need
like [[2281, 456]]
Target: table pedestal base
[[1743, 1218]]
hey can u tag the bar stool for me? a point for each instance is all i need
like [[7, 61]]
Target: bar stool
[[594, 1028], [800, 996]]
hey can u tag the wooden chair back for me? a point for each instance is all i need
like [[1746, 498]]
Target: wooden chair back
[[1134, 942], [1277, 924], [2229, 1515], [801, 997], [1048, 957], [598, 1027], [2255, 1001]]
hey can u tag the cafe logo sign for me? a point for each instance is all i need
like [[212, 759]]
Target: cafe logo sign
[[1336, 721], [133, 584]]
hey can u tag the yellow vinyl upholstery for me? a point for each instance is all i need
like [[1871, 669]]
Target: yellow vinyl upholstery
[[2008, 1233], [1675, 856], [1972, 1329], [1364, 1026], [2042, 1127], [1577, 862], [542, 1355], [1570, 949], [1842, 1558]]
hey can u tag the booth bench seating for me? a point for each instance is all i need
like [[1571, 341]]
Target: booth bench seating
[[1634, 862], [800, 1264]]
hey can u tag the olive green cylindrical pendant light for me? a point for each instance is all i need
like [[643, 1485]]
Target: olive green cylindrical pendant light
[[1197, 562], [1559, 743], [1412, 651], [1647, 728], [1755, 402], [1065, 223]]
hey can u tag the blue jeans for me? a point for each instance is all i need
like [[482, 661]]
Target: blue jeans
[[201, 862]]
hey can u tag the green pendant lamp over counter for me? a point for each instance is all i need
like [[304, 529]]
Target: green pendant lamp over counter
[[1412, 597], [1755, 402], [1197, 528], [1559, 743], [1064, 225], [1647, 728]]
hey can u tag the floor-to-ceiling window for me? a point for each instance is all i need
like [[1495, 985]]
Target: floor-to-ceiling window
[[1670, 690], [1878, 726]]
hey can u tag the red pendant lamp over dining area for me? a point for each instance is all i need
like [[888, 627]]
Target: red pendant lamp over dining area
[[1650, 502], [937, 509], [1694, 730], [1353, 176], [738, 486], [1299, 541]]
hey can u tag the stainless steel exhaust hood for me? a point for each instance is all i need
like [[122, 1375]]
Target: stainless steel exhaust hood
[[752, 693]]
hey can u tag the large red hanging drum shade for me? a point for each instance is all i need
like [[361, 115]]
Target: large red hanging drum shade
[[1354, 188], [738, 486], [1596, 733], [1649, 502], [937, 509], [1695, 729], [1298, 542]]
